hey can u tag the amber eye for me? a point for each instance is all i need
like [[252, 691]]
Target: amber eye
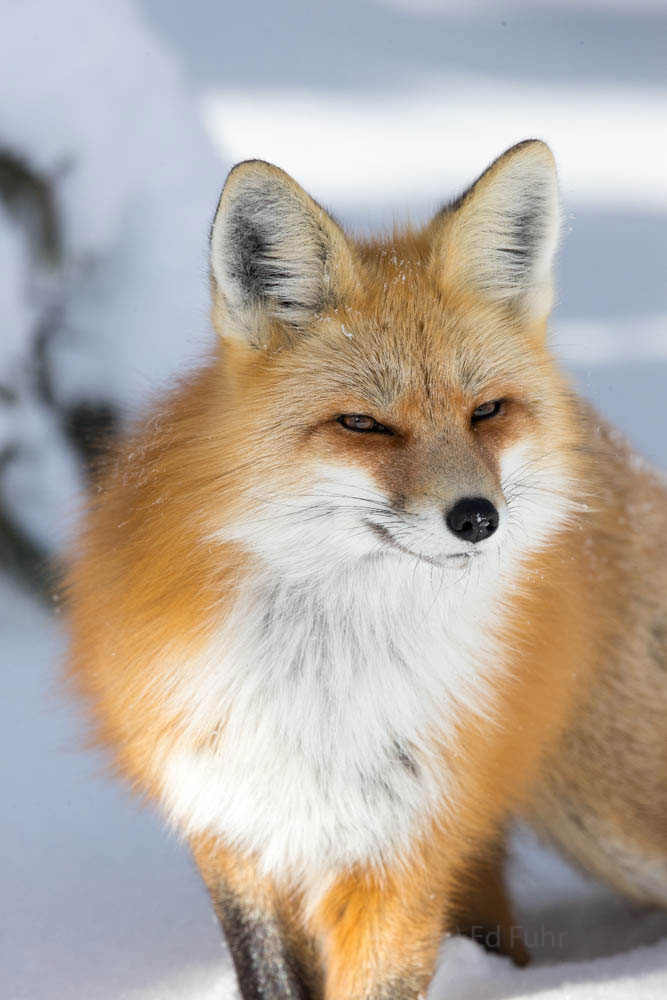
[[486, 410], [363, 423]]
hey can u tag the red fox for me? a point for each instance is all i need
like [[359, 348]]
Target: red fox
[[373, 580]]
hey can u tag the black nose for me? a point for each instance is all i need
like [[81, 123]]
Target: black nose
[[472, 519]]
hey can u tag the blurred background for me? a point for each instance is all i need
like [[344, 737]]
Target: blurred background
[[118, 122]]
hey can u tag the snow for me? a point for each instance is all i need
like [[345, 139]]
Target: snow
[[90, 100], [17, 316], [38, 472], [370, 124], [133, 112], [94, 102]]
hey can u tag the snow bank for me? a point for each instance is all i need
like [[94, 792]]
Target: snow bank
[[93, 101], [98, 110], [39, 477]]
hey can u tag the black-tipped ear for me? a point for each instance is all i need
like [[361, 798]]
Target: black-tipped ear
[[499, 238], [275, 253]]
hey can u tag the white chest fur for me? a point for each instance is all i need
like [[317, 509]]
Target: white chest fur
[[331, 696]]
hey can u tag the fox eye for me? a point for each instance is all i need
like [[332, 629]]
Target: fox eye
[[486, 410], [363, 423]]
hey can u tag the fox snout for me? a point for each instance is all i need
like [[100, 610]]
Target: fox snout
[[472, 519]]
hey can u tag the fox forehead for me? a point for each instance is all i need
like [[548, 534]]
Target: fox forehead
[[415, 351]]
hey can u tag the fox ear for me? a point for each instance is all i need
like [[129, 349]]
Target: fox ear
[[499, 238], [275, 254]]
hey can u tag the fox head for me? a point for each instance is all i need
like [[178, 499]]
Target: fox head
[[392, 398]]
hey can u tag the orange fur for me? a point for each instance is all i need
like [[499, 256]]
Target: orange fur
[[153, 579]]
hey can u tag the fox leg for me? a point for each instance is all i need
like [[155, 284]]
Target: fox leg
[[484, 912], [272, 958], [380, 937]]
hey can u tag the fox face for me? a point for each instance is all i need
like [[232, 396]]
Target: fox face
[[393, 398]]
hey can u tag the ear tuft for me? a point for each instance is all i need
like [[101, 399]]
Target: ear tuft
[[499, 238], [275, 253]]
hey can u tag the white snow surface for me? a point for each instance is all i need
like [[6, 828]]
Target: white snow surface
[[113, 101]]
